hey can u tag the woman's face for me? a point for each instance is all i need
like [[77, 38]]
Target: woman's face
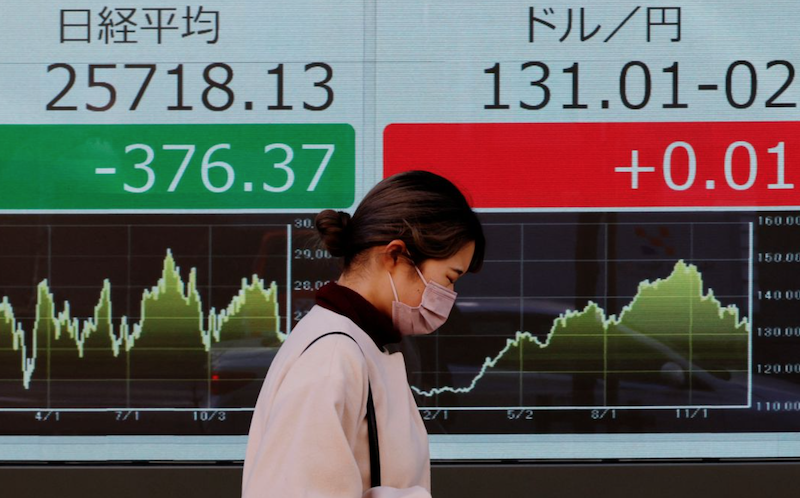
[[445, 272]]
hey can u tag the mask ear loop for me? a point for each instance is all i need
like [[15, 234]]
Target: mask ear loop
[[420, 275], [411, 260], [394, 289]]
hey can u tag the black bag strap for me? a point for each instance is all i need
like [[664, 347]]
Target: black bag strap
[[372, 425]]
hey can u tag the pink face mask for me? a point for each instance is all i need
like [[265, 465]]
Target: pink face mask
[[432, 312]]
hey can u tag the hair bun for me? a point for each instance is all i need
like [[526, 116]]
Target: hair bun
[[334, 230]]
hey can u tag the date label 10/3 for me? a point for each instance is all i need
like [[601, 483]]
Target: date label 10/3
[[185, 167]]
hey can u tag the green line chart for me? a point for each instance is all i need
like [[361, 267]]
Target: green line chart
[[171, 315], [585, 315], [689, 327]]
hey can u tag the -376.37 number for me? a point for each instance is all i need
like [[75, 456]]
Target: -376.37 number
[[221, 170]]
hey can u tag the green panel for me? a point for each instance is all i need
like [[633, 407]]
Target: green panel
[[93, 167]]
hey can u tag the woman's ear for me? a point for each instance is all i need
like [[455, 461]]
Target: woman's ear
[[392, 252]]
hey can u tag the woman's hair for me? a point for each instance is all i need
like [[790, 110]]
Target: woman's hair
[[424, 210]]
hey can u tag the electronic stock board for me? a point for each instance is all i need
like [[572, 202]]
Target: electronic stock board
[[635, 165]]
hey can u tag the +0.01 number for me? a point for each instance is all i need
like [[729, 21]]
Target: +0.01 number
[[224, 168], [633, 67], [219, 84], [635, 169]]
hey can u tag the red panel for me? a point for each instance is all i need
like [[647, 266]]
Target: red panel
[[551, 165]]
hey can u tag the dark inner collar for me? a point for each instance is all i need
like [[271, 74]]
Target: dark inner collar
[[351, 304]]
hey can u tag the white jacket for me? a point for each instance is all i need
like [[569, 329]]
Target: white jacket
[[308, 436]]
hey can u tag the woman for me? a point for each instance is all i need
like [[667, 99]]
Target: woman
[[412, 237]]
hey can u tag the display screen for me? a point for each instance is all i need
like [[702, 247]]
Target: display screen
[[635, 167]]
